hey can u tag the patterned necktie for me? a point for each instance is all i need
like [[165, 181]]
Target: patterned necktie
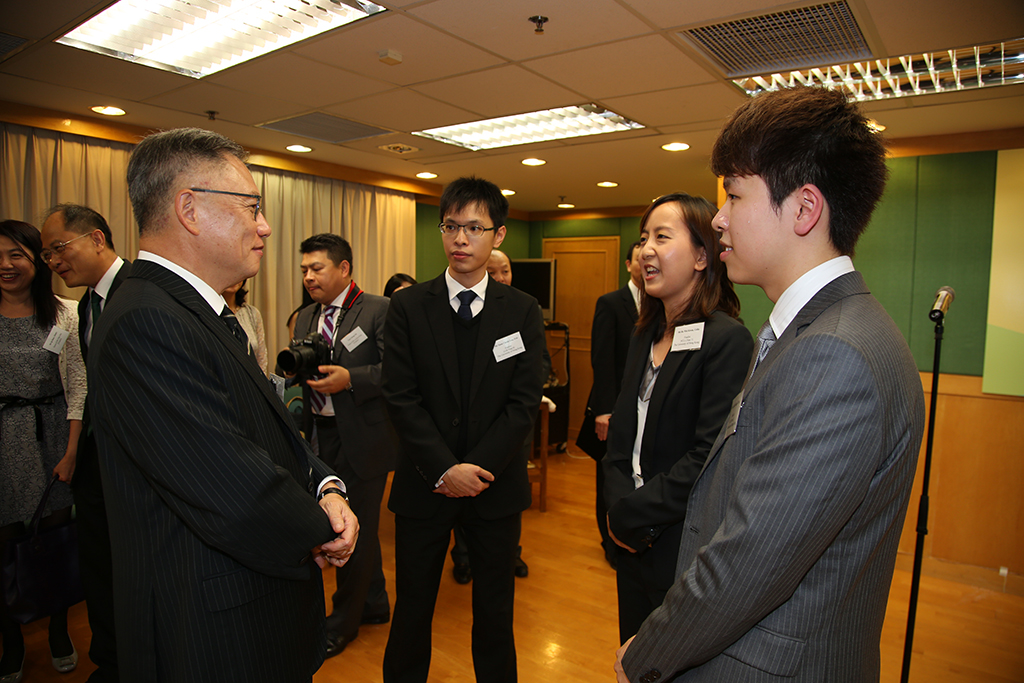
[[466, 297], [765, 337], [317, 399], [236, 327], [95, 308]]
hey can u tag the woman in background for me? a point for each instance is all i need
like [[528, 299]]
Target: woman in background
[[686, 363], [250, 319], [42, 394], [398, 281]]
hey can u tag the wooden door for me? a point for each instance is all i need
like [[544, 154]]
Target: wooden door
[[587, 267]]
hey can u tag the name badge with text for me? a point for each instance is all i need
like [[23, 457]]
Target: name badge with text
[[55, 342], [688, 337], [509, 346], [353, 339]]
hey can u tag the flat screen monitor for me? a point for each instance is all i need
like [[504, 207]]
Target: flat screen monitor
[[536, 277]]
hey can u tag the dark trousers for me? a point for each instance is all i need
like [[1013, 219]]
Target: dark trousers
[[602, 516], [95, 561], [360, 581], [420, 548], [638, 594]]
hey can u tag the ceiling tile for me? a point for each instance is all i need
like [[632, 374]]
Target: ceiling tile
[[504, 27], [74, 68], [294, 78], [402, 110], [623, 68], [696, 103], [500, 92], [39, 18], [673, 13], [427, 53], [230, 105], [911, 26]]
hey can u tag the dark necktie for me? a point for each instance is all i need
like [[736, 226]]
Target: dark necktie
[[95, 308], [236, 327], [466, 297], [765, 338]]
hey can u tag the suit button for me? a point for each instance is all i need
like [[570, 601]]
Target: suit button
[[455, 422]]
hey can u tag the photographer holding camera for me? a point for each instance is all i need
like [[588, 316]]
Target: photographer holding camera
[[337, 350]]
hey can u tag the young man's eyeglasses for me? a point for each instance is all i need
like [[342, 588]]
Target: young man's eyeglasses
[[452, 229], [58, 249], [255, 207]]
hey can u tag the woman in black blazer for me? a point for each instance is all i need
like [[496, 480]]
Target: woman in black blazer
[[686, 363]]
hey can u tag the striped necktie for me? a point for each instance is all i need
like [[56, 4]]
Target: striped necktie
[[765, 337], [317, 399]]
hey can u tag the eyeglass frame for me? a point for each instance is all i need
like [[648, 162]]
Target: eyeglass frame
[[58, 249], [443, 227], [258, 197]]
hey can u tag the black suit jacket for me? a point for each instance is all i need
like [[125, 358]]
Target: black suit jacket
[[368, 441], [208, 487], [690, 401], [84, 310], [423, 391]]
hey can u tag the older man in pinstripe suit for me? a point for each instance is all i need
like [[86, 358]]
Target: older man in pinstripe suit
[[792, 528], [211, 493]]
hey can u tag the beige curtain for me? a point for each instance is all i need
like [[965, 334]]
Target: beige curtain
[[40, 168]]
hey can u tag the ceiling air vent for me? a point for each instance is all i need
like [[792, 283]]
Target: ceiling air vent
[[325, 128], [399, 148], [784, 41]]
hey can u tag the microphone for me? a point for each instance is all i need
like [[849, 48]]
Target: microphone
[[943, 298]]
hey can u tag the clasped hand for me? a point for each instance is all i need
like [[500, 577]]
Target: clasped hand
[[345, 524], [464, 480]]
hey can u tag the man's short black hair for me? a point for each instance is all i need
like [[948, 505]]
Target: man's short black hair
[[81, 219], [160, 158], [337, 247], [462, 192], [632, 250], [801, 135]]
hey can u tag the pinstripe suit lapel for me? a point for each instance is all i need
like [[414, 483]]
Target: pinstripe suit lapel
[[188, 297]]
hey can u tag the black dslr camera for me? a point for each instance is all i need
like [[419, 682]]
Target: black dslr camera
[[304, 356]]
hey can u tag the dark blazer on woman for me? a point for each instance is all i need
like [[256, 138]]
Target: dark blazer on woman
[[691, 400]]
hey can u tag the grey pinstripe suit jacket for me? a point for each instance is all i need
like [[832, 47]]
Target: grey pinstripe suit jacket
[[207, 488], [792, 527]]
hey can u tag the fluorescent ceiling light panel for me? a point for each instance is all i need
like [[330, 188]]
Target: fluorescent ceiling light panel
[[202, 37], [538, 126], [969, 68]]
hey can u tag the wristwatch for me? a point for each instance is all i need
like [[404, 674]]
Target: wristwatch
[[331, 489]]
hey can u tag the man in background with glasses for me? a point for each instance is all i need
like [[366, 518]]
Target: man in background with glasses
[[78, 246], [216, 504], [462, 373]]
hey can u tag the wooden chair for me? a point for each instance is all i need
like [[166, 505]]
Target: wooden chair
[[537, 467]]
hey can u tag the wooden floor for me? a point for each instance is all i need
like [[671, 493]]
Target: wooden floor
[[566, 616]]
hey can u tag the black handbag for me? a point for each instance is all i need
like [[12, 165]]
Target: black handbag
[[40, 575], [587, 440]]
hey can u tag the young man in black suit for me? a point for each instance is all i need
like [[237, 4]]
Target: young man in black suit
[[80, 249], [216, 504], [462, 377], [343, 408]]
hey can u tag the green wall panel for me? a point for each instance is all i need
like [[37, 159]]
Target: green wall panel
[[517, 238], [956, 202], [430, 259]]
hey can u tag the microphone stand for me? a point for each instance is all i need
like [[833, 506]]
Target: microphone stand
[[922, 510]]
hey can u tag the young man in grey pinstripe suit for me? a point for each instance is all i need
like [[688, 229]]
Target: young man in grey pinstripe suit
[[792, 527]]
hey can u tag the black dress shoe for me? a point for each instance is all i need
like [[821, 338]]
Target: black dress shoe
[[377, 618], [337, 644], [462, 573], [522, 571]]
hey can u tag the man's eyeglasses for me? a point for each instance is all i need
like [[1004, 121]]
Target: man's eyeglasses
[[255, 208], [58, 249], [451, 229]]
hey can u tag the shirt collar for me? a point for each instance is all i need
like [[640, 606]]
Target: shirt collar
[[803, 290], [213, 298], [340, 299], [454, 287], [103, 286], [635, 291]]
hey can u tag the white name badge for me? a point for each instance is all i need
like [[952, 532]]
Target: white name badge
[[55, 342], [688, 337], [353, 339], [509, 346]]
